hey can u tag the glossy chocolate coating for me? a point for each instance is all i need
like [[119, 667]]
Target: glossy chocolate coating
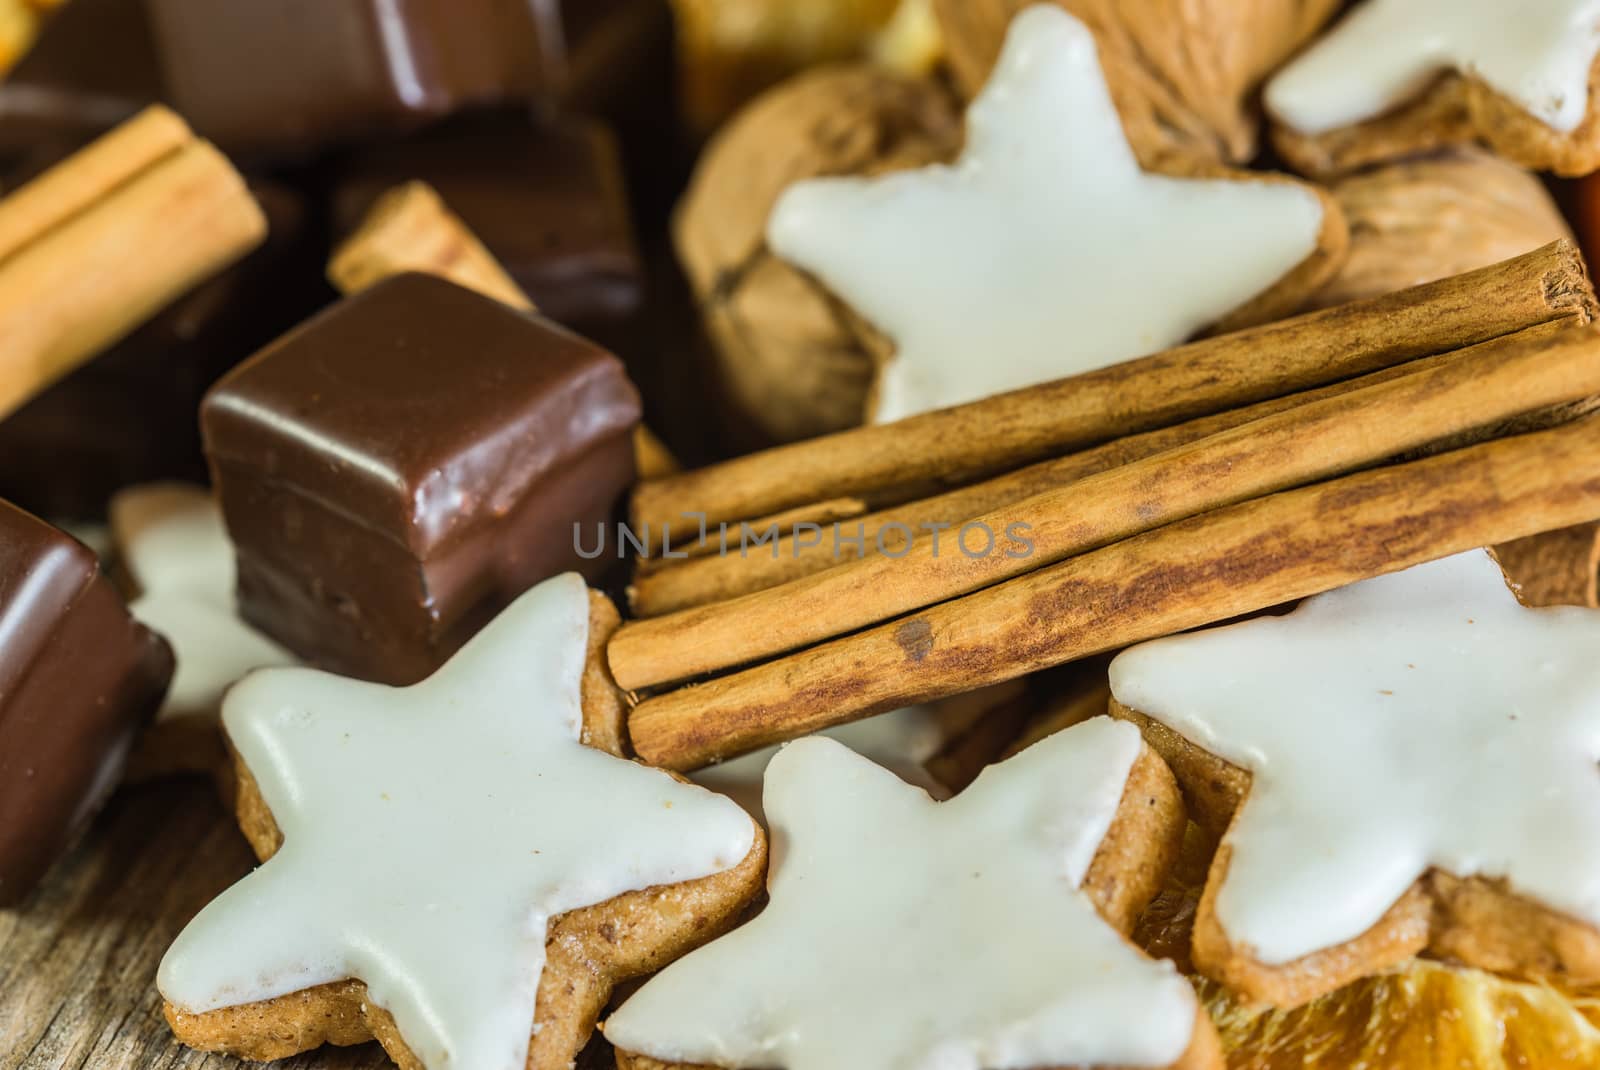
[[93, 66], [78, 680], [131, 415], [398, 469], [606, 57], [547, 198], [295, 74]]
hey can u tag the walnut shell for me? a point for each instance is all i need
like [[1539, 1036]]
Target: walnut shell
[[1423, 219], [793, 360], [1183, 73]]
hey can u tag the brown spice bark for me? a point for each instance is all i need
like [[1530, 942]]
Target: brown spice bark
[[1223, 564], [1475, 396], [714, 573], [102, 241], [411, 229], [895, 462]]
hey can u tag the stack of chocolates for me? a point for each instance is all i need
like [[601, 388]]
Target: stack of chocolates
[[392, 469], [1134, 608]]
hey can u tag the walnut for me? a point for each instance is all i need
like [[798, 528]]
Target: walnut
[[794, 361], [792, 358], [1183, 73], [1423, 219]]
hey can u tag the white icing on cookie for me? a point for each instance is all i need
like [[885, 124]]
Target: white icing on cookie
[[905, 934], [1423, 719], [1015, 265], [1386, 53], [177, 550], [431, 833]]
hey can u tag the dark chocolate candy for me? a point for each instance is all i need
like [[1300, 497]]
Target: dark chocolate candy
[[400, 468], [93, 66], [295, 74], [547, 198], [131, 415], [607, 57], [79, 678], [292, 74]]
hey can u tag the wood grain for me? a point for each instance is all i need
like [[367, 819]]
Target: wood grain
[[78, 959]]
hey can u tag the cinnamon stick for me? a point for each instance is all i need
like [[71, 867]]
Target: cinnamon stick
[[411, 229], [89, 174], [1495, 383], [683, 541], [885, 463], [98, 244], [1196, 572], [651, 457], [663, 586], [1555, 568]]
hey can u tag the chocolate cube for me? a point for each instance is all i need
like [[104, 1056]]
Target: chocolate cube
[[79, 678], [397, 470], [547, 198], [298, 73]]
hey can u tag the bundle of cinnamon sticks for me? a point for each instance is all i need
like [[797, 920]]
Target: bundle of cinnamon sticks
[[1073, 518]]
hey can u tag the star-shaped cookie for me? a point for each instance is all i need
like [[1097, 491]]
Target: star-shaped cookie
[[173, 542], [1402, 76], [1408, 762], [904, 933], [457, 871], [1045, 251], [1386, 52]]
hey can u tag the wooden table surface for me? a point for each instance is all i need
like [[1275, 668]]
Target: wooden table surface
[[78, 960]]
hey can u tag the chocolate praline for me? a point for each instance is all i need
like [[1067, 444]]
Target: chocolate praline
[[297, 75], [79, 679], [545, 195], [398, 469]]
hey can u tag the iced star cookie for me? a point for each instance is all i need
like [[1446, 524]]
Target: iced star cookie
[[909, 934], [171, 540], [1012, 266], [1407, 764], [461, 869], [1396, 77], [1185, 76]]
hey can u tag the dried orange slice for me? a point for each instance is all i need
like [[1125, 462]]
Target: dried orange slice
[[1425, 1016]]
